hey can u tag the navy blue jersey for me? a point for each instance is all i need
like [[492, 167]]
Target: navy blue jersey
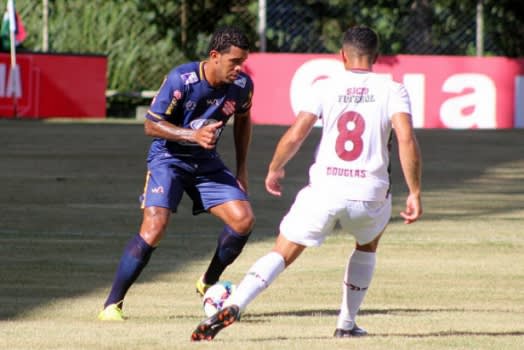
[[186, 99]]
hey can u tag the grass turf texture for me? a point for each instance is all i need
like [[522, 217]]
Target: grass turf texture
[[68, 205]]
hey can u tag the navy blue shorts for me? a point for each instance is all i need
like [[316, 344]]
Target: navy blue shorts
[[208, 183]]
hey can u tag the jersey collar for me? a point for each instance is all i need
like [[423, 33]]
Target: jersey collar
[[360, 70], [201, 73]]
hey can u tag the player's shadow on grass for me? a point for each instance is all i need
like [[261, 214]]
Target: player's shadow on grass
[[451, 333], [266, 317], [438, 334], [362, 312]]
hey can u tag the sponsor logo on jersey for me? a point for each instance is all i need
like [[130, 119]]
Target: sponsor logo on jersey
[[189, 78], [159, 189], [241, 82], [356, 98], [171, 106], [357, 91], [190, 105], [213, 101], [357, 95], [199, 123]]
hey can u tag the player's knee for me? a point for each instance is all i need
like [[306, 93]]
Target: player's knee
[[243, 225], [370, 247], [154, 225]]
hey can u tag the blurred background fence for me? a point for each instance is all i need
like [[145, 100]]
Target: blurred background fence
[[144, 39]]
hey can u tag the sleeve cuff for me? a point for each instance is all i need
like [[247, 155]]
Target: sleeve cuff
[[153, 116]]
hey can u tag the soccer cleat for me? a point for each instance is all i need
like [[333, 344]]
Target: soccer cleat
[[201, 286], [209, 328], [111, 313], [356, 331]]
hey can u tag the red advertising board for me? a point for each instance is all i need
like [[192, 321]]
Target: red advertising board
[[446, 91], [53, 85]]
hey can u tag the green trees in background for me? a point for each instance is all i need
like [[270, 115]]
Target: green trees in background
[[439, 27], [118, 29], [143, 39]]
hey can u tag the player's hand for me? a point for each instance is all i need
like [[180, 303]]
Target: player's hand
[[273, 182], [413, 209], [207, 135]]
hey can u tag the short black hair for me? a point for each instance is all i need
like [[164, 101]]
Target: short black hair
[[225, 37], [362, 38]]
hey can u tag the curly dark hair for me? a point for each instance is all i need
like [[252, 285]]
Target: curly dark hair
[[225, 37], [363, 38]]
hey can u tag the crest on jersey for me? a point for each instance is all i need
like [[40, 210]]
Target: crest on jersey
[[190, 105], [189, 78], [241, 82], [198, 123]]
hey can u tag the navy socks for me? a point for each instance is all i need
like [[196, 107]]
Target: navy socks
[[137, 254], [230, 245], [135, 257]]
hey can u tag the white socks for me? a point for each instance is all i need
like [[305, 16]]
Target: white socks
[[357, 279], [359, 272], [259, 277]]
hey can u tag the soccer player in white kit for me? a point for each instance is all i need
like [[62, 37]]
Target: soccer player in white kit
[[349, 180]]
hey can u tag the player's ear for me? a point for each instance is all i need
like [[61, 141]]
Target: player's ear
[[343, 56], [213, 54]]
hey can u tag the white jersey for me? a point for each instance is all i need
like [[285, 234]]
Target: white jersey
[[355, 108]]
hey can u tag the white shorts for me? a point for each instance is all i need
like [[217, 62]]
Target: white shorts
[[314, 214]]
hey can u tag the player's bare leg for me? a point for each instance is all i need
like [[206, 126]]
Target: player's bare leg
[[154, 224], [236, 214], [370, 247], [289, 251]]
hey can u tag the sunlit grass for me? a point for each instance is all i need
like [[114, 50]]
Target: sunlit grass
[[453, 280]]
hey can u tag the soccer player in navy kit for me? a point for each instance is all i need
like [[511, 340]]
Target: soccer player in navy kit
[[186, 118]]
